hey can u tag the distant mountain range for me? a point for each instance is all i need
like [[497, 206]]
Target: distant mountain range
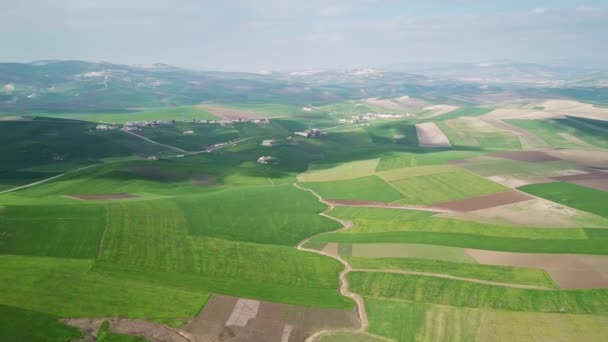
[[78, 86]]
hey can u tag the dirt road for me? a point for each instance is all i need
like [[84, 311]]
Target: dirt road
[[344, 286]]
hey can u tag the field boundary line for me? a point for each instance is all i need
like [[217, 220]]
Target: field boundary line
[[344, 285], [154, 142], [448, 276]]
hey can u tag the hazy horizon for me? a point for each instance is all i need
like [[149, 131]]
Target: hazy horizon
[[252, 35]]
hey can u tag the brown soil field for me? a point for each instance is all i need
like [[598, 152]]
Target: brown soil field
[[569, 271], [591, 158], [98, 197], [227, 318], [526, 156], [230, 113], [596, 180], [430, 135], [153, 332], [484, 202]]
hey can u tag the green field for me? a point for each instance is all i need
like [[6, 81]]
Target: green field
[[504, 274], [572, 195], [568, 132], [172, 231], [467, 294], [475, 133], [370, 188], [405, 160], [25, 325], [443, 187]]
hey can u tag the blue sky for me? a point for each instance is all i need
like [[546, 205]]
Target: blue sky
[[252, 35]]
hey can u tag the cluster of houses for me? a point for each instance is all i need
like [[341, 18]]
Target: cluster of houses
[[266, 160], [374, 116], [137, 125], [230, 122], [309, 133]]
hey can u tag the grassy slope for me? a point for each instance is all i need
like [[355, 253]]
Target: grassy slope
[[19, 325], [47, 230], [65, 288], [572, 195]]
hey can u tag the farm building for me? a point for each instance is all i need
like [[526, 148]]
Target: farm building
[[266, 159], [313, 132]]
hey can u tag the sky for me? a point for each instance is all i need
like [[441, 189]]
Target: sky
[[254, 35]]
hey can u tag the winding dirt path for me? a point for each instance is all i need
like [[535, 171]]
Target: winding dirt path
[[344, 285]]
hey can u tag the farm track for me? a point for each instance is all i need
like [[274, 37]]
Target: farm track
[[344, 285], [154, 142], [343, 276]]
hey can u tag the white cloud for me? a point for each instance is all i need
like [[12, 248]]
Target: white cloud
[[8, 88], [539, 10]]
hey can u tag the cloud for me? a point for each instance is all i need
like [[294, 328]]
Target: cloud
[[539, 10]]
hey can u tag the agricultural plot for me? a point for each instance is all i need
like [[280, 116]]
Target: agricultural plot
[[66, 288], [568, 271], [473, 295], [405, 160], [572, 195], [254, 320], [411, 321], [26, 325], [370, 188], [476, 132], [457, 268], [568, 132], [399, 132], [327, 173], [405, 250], [443, 186], [51, 230], [430, 135], [532, 213]]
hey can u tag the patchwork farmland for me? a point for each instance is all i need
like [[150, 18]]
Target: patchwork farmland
[[399, 219]]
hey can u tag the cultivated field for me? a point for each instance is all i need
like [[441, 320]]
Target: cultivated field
[[457, 222]]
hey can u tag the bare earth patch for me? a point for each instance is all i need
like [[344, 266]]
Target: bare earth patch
[[227, 318], [534, 213], [101, 197], [484, 202], [592, 158], [430, 135], [569, 271], [514, 182], [527, 156], [440, 109], [153, 332], [230, 113]]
